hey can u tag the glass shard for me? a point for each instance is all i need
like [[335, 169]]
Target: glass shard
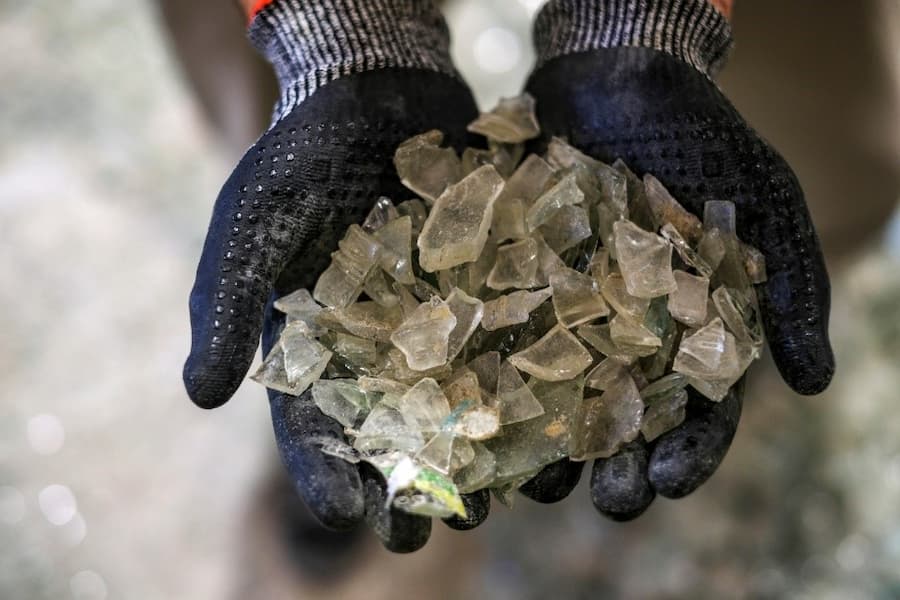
[[468, 312], [563, 193], [566, 228], [576, 298], [558, 356], [425, 167], [340, 399], [512, 121], [606, 422], [514, 399], [512, 309], [666, 209], [457, 227], [382, 212], [645, 260], [664, 414], [424, 336], [687, 303], [516, 266]]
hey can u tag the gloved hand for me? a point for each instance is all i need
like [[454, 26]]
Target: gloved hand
[[631, 79], [357, 78]]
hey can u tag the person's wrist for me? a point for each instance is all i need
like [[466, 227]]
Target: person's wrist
[[695, 31], [313, 42]]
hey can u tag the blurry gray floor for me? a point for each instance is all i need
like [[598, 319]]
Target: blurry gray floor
[[113, 486]]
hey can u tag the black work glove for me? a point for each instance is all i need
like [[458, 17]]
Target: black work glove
[[631, 79], [357, 77]]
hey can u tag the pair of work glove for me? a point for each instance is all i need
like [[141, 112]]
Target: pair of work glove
[[616, 78]]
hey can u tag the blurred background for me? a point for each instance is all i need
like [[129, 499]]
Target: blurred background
[[120, 119]]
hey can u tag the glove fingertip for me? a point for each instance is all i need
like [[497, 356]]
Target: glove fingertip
[[620, 488], [554, 482], [478, 505], [209, 388], [330, 487], [684, 458], [398, 531]]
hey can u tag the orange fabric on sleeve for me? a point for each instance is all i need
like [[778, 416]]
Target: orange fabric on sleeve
[[723, 6], [252, 7]]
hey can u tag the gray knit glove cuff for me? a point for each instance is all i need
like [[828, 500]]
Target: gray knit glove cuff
[[692, 30], [313, 42]]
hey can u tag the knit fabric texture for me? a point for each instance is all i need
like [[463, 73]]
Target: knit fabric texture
[[692, 30], [313, 42]]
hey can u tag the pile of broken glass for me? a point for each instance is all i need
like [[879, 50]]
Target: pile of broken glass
[[515, 313]]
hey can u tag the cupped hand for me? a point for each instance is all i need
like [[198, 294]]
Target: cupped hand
[[275, 223], [662, 116]]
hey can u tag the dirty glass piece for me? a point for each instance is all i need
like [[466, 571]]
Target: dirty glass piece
[[604, 374], [638, 206], [548, 263], [356, 350], [300, 306], [514, 399], [616, 294], [665, 413], [687, 303], [606, 220], [468, 312], [564, 193], [512, 121], [386, 428], [645, 260], [369, 320], [754, 264], [487, 368], [463, 454], [600, 265], [666, 209], [424, 336], [505, 157], [381, 385], [382, 211], [626, 333], [462, 387], [512, 309], [474, 158], [687, 254], [304, 357], [558, 356], [712, 248], [477, 272], [664, 386], [606, 422], [529, 181], [417, 212], [380, 290], [478, 423], [576, 298], [566, 228], [656, 365], [600, 337], [396, 257], [425, 405], [720, 214], [398, 369], [709, 354], [438, 452], [336, 448], [457, 227], [529, 445], [425, 167], [509, 219], [340, 399], [479, 473], [516, 265], [736, 315]]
